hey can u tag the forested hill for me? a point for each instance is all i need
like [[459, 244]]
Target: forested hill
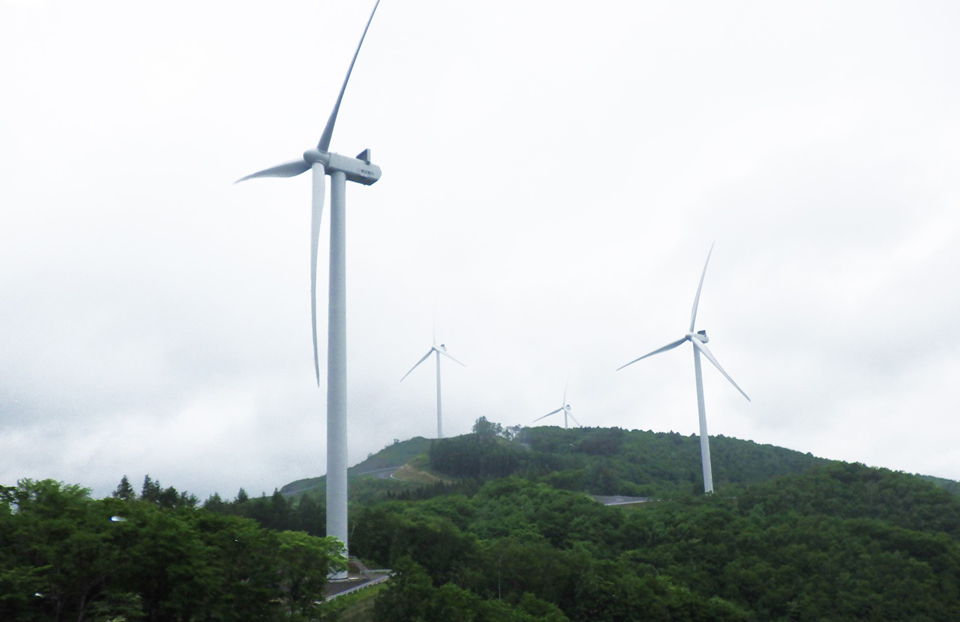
[[612, 461], [600, 461], [840, 542], [787, 536], [506, 534]]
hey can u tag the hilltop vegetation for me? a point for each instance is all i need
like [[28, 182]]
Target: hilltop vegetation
[[601, 461], [611, 461]]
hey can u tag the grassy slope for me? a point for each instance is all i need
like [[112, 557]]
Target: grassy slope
[[358, 607], [395, 455]]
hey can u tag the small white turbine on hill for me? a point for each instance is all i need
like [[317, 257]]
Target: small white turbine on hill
[[322, 162], [564, 408], [440, 350], [699, 340]]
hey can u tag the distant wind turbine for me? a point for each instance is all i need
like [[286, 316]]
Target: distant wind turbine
[[440, 350], [699, 340], [564, 408], [322, 162]]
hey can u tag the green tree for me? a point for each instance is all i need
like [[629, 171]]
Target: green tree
[[125, 491], [482, 427], [305, 562], [407, 596]]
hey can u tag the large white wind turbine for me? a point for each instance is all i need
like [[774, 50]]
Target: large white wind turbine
[[440, 350], [322, 162], [564, 408], [699, 340]]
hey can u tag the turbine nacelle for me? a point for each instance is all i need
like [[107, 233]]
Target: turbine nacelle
[[358, 170], [700, 335]]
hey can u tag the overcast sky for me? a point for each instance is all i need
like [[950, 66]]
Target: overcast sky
[[553, 176]]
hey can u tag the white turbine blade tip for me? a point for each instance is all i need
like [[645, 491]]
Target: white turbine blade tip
[[547, 415], [287, 169], [669, 346], [425, 357], [324, 144], [716, 364], [696, 299]]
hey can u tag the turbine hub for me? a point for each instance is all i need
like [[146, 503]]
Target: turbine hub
[[700, 335], [313, 156]]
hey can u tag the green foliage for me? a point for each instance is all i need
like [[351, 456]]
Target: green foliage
[[476, 456], [947, 484], [275, 512], [787, 537], [610, 461], [304, 564], [841, 542], [154, 558], [412, 597], [153, 492], [856, 491], [482, 427]]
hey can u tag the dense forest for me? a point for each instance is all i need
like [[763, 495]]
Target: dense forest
[[152, 557], [843, 542], [506, 533], [611, 461]]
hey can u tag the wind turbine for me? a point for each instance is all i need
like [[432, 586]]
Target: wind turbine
[[564, 408], [440, 350], [699, 340], [322, 162]]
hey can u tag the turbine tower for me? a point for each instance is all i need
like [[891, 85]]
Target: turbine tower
[[564, 408], [440, 350], [322, 162], [699, 340]]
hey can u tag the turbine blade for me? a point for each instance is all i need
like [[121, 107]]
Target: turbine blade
[[425, 357], [319, 192], [570, 414], [450, 357], [669, 346], [710, 357], [547, 415], [287, 169], [696, 300], [565, 385], [324, 144]]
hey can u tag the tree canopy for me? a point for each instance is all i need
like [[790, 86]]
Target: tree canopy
[[155, 558]]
